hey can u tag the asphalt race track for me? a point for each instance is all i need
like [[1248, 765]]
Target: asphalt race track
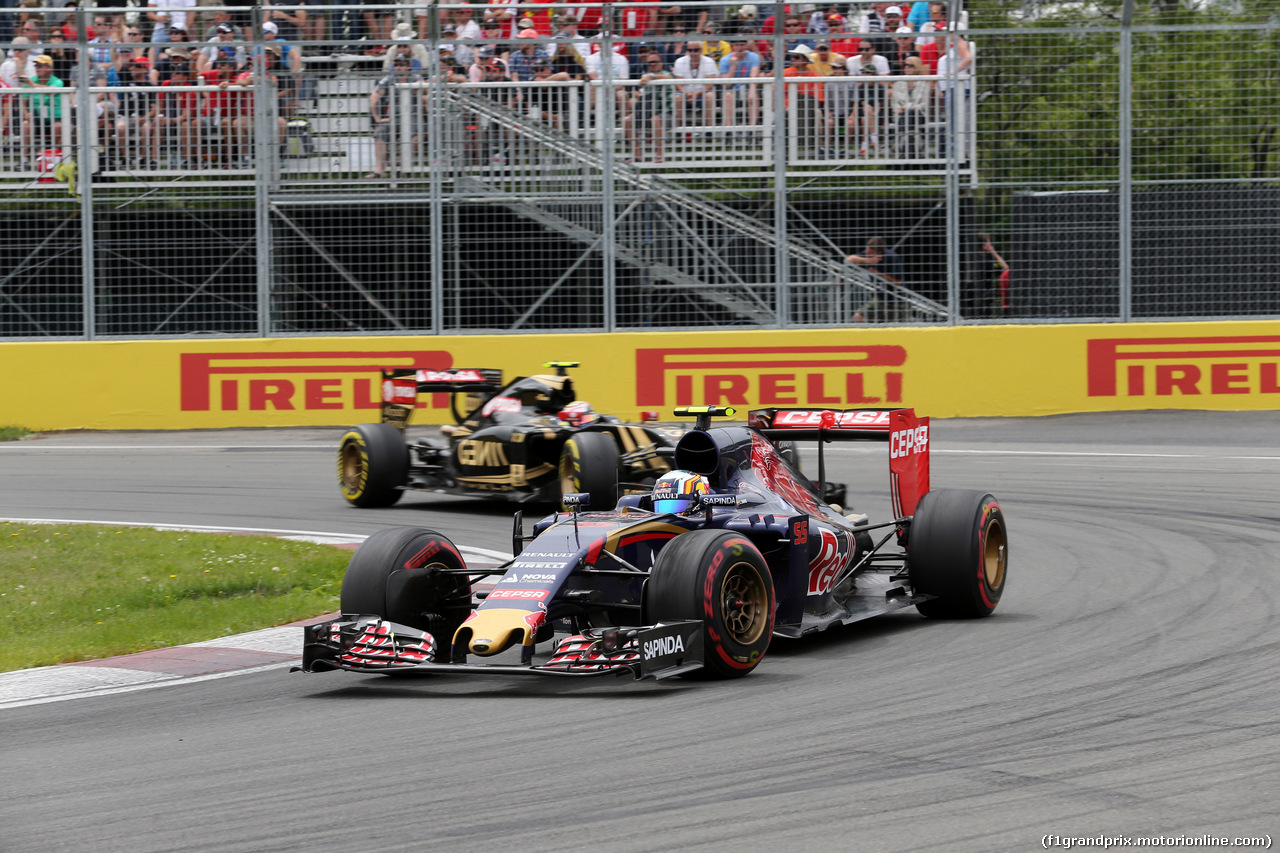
[[1127, 685]]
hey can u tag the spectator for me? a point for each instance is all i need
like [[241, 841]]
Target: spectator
[[919, 14], [285, 64], [743, 22], [910, 104], [842, 41], [873, 20], [713, 48], [173, 56], [806, 110], [868, 98], [174, 14], [384, 107], [741, 63], [1002, 279], [118, 70], [403, 45], [177, 35], [520, 62], [904, 46], [221, 46], [291, 24], [954, 68], [928, 45], [100, 54], [136, 112], [15, 72], [179, 116], [689, 97], [620, 70], [550, 103], [650, 108], [219, 109], [64, 58], [42, 113], [886, 264], [573, 47], [794, 29], [485, 67]]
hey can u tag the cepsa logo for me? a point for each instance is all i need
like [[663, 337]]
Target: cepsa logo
[[258, 381], [1188, 367], [769, 376]]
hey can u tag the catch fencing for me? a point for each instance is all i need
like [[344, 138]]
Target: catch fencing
[[1049, 168]]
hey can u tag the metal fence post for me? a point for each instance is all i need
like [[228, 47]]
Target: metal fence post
[[1125, 209]]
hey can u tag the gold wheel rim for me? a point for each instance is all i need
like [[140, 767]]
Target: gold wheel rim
[[995, 555], [568, 482], [745, 605], [352, 464]]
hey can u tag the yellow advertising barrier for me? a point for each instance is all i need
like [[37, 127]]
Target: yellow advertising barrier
[[942, 372]]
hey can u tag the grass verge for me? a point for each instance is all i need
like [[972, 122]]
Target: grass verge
[[13, 433], [78, 592]]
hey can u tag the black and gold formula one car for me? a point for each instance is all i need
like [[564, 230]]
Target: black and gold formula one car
[[656, 587], [528, 440]]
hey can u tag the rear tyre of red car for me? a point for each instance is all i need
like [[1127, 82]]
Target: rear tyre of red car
[[720, 578], [589, 463], [402, 574], [958, 550], [373, 465]]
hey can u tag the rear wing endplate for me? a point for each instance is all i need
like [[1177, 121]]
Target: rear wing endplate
[[907, 434], [402, 385]]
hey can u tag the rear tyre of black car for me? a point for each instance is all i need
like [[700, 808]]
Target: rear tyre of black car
[[589, 463], [373, 465], [719, 578], [402, 574], [958, 550]]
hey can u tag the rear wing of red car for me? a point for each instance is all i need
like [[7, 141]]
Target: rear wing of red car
[[907, 435], [402, 385]]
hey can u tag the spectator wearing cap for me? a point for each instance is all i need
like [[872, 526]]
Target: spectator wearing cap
[[695, 66], [744, 20], [741, 63], [904, 46], [174, 55], [136, 112], [504, 14], [291, 23], [179, 115], [805, 104], [118, 70], [862, 126], [650, 108], [167, 13], [818, 19], [290, 54], [403, 44], [221, 45], [842, 41], [219, 108], [520, 62], [873, 20], [548, 103], [15, 71], [385, 110], [485, 65]]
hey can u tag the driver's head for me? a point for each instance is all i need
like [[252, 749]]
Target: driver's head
[[678, 491]]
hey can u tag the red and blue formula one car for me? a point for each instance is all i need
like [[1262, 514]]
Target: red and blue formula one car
[[731, 549]]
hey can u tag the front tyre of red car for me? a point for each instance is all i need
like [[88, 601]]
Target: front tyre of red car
[[721, 579], [958, 551], [373, 465], [408, 575]]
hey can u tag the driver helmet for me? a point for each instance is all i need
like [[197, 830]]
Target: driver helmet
[[677, 491], [577, 413]]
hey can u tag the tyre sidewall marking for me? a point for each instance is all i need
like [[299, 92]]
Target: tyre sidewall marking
[[714, 582]]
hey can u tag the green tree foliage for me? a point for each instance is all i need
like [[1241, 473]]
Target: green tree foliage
[[1206, 101]]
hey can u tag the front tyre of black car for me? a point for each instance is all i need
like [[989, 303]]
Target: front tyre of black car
[[958, 551], [589, 463], [721, 579], [373, 465], [406, 575]]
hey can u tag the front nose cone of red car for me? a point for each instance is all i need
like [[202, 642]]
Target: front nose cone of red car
[[492, 631]]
